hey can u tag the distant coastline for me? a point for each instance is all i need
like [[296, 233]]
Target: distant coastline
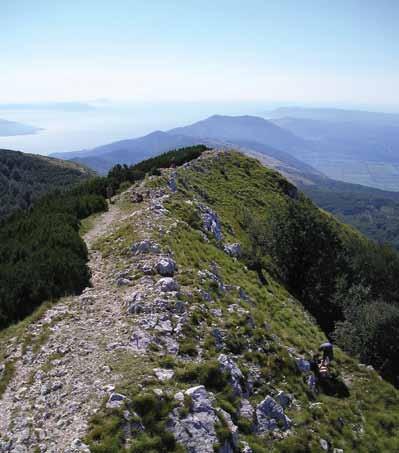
[[13, 129]]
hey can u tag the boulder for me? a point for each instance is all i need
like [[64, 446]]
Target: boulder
[[324, 444], [147, 269], [228, 366], [167, 284], [163, 374], [233, 250], [115, 401], [245, 448], [145, 246], [135, 303], [78, 446], [140, 341], [217, 312], [196, 431], [218, 336], [270, 416], [246, 410], [123, 281], [166, 267]]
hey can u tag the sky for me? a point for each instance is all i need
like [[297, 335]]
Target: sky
[[341, 52]]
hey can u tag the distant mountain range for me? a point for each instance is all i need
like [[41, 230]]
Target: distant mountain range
[[10, 128], [351, 146], [246, 132], [306, 150], [103, 158], [335, 115]]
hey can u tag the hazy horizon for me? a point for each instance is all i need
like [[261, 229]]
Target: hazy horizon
[[87, 124], [162, 64], [342, 53]]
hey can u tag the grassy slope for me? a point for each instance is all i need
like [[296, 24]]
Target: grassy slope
[[366, 420]]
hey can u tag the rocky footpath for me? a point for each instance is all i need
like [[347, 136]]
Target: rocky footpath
[[62, 376]]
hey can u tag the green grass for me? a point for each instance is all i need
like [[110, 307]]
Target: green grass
[[87, 224], [365, 420]]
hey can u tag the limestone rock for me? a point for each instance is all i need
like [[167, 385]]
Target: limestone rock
[[122, 281], [78, 446], [168, 284], [115, 401], [284, 399], [211, 222], [245, 448], [145, 246], [166, 267], [246, 409], [218, 336], [270, 415], [233, 250], [163, 374], [135, 303], [324, 444], [228, 366], [232, 428], [196, 431]]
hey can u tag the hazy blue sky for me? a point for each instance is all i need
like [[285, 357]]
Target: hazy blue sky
[[334, 51]]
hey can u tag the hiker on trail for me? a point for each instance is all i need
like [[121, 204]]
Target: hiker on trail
[[327, 350]]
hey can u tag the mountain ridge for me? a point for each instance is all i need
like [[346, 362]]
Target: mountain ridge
[[177, 345]]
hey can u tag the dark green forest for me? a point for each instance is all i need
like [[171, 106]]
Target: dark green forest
[[24, 178], [348, 283], [42, 256], [372, 211]]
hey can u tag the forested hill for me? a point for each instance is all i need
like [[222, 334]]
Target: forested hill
[[25, 177], [210, 283]]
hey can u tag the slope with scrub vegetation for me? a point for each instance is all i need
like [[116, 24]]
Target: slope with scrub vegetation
[[210, 282]]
